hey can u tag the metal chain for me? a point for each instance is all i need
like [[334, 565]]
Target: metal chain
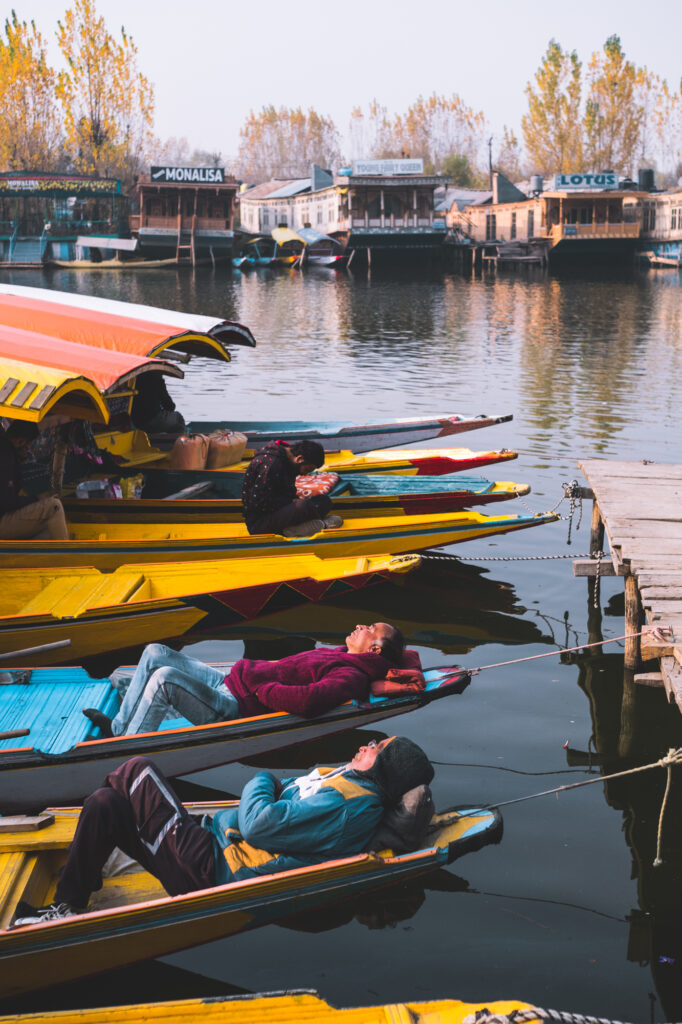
[[497, 558], [484, 1016]]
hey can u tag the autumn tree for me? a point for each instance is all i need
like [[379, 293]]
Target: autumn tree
[[372, 133], [551, 128], [436, 127], [285, 142], [614, 114], [29, 119], [668, 131], [108, 103], [508, 159]]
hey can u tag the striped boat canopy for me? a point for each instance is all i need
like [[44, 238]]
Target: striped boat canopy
[[41, 374], [118, 326]]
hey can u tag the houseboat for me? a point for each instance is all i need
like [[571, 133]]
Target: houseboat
[[578, 217], [661, 237], [375, 206], [44, 217], [184, 213]]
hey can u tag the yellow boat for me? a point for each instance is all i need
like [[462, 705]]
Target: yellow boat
[[131, 918], [293, 1007], [107, 546], [141, 603], [133, 448]]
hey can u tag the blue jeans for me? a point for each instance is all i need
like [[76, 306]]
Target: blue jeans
[[167, 681]]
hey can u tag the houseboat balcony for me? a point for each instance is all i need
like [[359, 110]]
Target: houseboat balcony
[[622, 229], [409, 221]]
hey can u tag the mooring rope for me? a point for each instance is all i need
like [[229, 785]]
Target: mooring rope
[[570, 650], [674, 756]]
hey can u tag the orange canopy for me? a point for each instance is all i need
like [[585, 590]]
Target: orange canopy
[[106, 324]]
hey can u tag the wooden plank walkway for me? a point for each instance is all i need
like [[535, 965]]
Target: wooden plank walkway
[[640, 507]]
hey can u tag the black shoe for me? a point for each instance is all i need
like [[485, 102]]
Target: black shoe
[[100, 720], [26, 914]]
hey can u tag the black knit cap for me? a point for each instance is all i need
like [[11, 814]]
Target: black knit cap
[[399, 767]]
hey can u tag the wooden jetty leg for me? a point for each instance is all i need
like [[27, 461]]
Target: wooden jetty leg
[[628, 715], [596, 531], [633, 623]]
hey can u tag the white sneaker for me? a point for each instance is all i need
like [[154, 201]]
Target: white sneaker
[[55, 912]]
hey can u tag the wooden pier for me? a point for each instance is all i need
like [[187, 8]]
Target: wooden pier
[[639, 505]]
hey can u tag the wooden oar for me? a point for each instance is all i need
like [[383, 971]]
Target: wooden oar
[[35, 650], [192, 491], [13, 734]]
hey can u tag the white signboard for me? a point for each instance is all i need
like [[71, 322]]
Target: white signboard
[[585, 182], [200, 175], [387, 167]]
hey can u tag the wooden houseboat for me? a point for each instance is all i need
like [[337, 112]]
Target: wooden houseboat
[[580, 216], [661, 237], [184, 213], [43, 215], [374, 206]]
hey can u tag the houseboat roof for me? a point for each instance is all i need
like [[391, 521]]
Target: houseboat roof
[[118, 326], [42, 373], [462, 197], [279, 188]]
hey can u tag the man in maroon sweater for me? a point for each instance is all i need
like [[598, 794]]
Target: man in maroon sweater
[[307, 684]]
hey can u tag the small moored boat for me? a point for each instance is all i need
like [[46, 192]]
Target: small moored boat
[[132, 919], [60, 759], [141, 603]]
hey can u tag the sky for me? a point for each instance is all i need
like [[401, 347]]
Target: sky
[[211, 61]]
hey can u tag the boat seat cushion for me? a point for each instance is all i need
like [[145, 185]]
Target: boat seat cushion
[[403, 828], [316, 483]]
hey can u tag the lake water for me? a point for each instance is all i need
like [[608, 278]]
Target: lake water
[[567, 911]]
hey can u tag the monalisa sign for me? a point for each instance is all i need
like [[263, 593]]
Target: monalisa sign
[[585, 182], [193, 175]]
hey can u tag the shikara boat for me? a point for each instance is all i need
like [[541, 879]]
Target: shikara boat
[[59, 761], [295, 1006], [337, 435], [289, 247], [106, 546], [132, 919], [148, 331], [368, 495], [133, 448], [141, 603]]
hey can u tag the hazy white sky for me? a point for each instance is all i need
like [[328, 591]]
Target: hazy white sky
[[212, 61]]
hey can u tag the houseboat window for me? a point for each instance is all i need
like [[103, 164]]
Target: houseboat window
[[319, 216], [512, 226], [189, 207], [266, 218], [423, 206], [673, 219], [652, 216], [374, 207], [490, 227], [531, 223], [585, 215]]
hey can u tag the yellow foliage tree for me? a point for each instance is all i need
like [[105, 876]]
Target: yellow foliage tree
[[551, 128], [108, 104], [29, 119], [614, 112], [285, 142], [437, 127]]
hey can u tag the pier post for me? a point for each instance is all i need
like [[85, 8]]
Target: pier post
[[633, 623], [596, 531]]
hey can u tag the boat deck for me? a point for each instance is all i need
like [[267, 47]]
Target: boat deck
[[639, 505]]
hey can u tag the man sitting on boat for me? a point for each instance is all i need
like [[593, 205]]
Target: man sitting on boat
[[329, 813], [307, 684], [23, 518], [269, 491]]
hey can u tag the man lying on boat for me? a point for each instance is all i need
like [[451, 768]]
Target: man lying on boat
[[306, 684], [269, 491], [329, 813]]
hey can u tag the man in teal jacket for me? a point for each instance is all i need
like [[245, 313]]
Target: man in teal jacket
[[278, 825]]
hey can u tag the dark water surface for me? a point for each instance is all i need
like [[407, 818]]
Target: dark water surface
[[567, 911]]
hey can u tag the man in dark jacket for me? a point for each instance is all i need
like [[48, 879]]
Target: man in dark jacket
[[329, 813], [306, 684], [269, 491], [23, 518]]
